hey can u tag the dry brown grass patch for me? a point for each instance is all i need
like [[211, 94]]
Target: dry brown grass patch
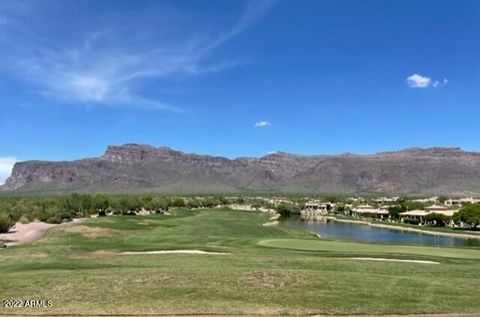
[[90, 232], [272, 279], [94, 254]]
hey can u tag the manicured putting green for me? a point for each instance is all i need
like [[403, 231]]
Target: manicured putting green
[[350, 248]]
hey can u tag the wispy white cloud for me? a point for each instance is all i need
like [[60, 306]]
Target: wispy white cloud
[[437, 83], [262, 124], [419, 81], [109, 66], [254, 10], [6, 165]]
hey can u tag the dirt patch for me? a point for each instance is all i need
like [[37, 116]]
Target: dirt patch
[[392, 260], [174, 252], [90, 232], [29, 232]]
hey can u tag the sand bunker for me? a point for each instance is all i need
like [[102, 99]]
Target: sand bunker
[[392, 260], [174, 252], [271, 223]]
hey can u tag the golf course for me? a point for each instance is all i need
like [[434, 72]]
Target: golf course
[[223, 261]]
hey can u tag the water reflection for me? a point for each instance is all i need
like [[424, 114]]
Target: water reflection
[[331, 229]]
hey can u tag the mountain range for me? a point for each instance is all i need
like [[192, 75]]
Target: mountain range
[[135, 168]]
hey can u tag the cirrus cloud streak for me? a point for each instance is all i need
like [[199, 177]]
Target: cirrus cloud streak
[[112, 60]]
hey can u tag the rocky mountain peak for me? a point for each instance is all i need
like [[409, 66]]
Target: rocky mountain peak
[[138, 168], [129, 153], [429, 152]]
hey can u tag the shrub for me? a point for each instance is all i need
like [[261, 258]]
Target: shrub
[[412, 221], [24, 219], [287, 210], [469, 214], [6, 222], [54, 214], [394, 211], [436, 219]]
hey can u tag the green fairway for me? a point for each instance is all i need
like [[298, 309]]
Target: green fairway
[[352, 248], [269, 271]]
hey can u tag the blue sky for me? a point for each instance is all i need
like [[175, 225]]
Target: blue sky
[[237, 78]]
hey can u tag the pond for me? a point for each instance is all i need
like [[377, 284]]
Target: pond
[[335, 230]]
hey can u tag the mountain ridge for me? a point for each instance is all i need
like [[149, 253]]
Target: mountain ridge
[[133, 168]]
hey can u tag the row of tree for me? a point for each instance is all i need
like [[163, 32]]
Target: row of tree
[[64, 208], [470, 215]]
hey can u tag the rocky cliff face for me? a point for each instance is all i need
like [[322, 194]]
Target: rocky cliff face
[[142, 168]]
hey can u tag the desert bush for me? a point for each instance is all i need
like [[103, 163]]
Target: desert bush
[[287, 210], [24, 219], [6, 222]]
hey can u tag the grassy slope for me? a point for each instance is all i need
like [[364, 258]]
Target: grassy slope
[[294, 275]]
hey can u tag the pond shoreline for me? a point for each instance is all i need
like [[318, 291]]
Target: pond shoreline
[[401, 228]]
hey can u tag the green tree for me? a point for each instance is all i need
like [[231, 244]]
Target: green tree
[[80, 204], [158, 204], [128, 205], [442, 199], [469, 214], [413, 205], [287, 210], [194, 203], [394, 211], [436, 219], [178, 202], [331, 199], [209, 202], [101, 203], [6, 222]]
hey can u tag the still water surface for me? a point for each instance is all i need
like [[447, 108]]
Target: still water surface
[[335, 230]]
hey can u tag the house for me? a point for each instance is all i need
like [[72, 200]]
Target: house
[[314, 210], [369, 211], [459, 202], [414, 215], [433, 199], [435, 208], [419, 215], [386, 200], [317, 207], [439, 209]]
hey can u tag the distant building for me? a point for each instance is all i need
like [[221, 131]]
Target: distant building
[[416, 215], [317, 207], [419, 215], [367, 210], [314, 210], [436, 208], [386, 200], [433, 199], [459, 202]]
